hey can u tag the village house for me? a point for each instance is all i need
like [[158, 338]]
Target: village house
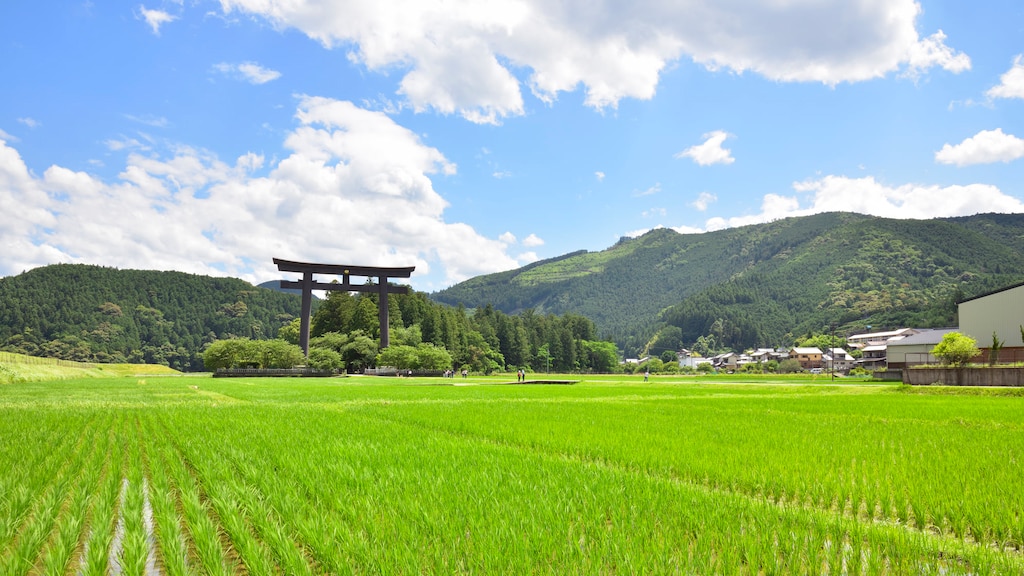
[[838, 360], [808, 358]]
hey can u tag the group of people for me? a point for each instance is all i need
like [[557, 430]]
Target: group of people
[[451, 373], [520, 375]]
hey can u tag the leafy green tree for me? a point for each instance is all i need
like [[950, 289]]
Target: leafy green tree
[[278, 354], [543, 357], [705, 346], [365, 318], [654, 366], [242, 352], [822, 342], [668, 339], [411, 336], [789, 366], [993, 351], [334, 314], [430, 357], [224, 354], [330, 340], [956, 349], [399, 356], [290, 331], [324, 359], [669, 357], [600, 356], [360, 350]]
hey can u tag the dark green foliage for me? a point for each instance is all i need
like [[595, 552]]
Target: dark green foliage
[[324, 359], [92, 313], [764, 285], [246, 353], [483, 340], [422, 357]]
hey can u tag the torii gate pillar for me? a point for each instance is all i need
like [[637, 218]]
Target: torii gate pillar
[[307, 285]]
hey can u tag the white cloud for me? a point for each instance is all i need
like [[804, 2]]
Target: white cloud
[[649, 192], [654, 213], [599, 175], [710, 151], [148, 120], [527, 258], [30, 122], [507, 238], [250, 72], [472, 58], [866, 196], [985, 147], [932, 51], [156, 18], [704, 200], [356, 187], [124, 143], [532, 241], [1011, 83], [500, 174]]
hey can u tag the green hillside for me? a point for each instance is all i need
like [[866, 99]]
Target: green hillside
[[763, 284], [98, 314], [20, 368]]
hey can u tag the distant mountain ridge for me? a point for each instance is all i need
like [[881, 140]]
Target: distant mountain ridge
[[763, 284]]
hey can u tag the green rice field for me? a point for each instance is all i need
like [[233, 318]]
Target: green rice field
[[363, 475]]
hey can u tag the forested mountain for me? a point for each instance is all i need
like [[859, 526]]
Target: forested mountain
[[93, 313], [97, 314], [764, 284]]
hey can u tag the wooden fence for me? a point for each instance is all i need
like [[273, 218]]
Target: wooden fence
[[274, 372]]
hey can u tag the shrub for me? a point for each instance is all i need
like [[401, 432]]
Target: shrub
[[324, 359], [789, 366], [956, 349]]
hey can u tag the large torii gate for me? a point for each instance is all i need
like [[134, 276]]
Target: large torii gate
[[307, 285]]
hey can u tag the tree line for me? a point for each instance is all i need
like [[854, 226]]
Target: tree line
[[99, 314], [428, 335]]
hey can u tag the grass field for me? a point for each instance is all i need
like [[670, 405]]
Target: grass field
[[193, 475], [22, 368]]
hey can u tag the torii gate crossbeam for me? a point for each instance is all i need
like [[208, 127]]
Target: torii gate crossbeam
[[307, 285]]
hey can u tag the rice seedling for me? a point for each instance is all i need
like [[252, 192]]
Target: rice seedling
[[278, 476]]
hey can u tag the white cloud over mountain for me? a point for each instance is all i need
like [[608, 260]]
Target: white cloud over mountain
[[472, 58], [868, 196], [356, 187]]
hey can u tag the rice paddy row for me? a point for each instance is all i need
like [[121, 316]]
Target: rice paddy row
[[200, 476]]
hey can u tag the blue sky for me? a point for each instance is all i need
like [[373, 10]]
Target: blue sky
[[467, 137]]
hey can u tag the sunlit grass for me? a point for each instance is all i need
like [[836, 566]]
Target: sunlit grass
[[17, 368], [385, 475]]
